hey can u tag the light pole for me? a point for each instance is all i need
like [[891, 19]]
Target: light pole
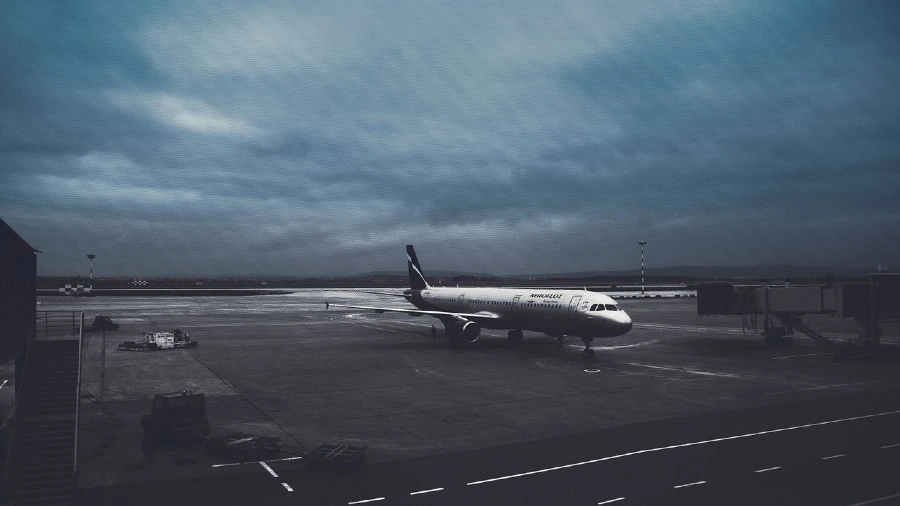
[[642, 243], [91, 257]]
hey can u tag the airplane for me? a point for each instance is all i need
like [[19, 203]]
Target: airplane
[[465, 311]]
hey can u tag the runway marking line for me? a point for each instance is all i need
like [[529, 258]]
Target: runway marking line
[[839, 455], [682, 369], [3, 384], [430, 490], [797, 356], [267, 468], [287, 487], [767, 469], [885, 447], [824, 387], [617, 499], [877, 499], [682, 445], [690, 484], [367, 500], [255, 462]]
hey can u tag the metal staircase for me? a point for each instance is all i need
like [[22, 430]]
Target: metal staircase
[[42, 461], [812, 333]]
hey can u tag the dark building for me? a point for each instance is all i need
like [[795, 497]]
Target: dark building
[[18, 273]]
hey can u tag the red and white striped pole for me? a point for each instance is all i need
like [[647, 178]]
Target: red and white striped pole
[[91, 257], [642, 243]]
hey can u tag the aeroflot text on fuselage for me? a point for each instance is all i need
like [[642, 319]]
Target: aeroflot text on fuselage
[[546, 295]]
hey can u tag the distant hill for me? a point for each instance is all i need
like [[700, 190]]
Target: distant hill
[[732, 271], [674, 274], [686, 271], [428, 274]]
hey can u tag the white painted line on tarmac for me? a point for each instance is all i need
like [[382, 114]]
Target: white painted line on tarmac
[[430, 490], [824, 387], [839, 455], [267, 468], [367, 500], [384, 329], [767, 469], [798, 356], [682, 369], [3, 384], [684, 445], [255, 462], [876, 500], [287, 487], [617, 499], [690, 484], [885, 447], [686, 328]]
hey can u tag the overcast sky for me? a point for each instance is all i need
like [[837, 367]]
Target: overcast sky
[[306, 138]]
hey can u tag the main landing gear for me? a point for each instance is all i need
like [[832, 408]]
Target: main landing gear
[[515, 337], [588, 353]]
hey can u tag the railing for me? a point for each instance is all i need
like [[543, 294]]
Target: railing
[[56, 323], [813, 333], [78, 395]]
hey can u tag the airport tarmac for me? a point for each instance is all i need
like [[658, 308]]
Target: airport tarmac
[[678, 401]]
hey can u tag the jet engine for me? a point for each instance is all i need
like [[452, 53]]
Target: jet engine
[[466, 331]]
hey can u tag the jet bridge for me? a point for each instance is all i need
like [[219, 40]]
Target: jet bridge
[[872, 305]]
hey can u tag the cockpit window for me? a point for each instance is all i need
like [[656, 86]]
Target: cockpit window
[[599, 307], [612, 307], [593, 307]]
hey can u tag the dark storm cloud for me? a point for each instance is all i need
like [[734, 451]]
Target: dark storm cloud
[[320, 138]]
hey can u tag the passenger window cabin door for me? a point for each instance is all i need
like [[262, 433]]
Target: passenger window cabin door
[[515, 303], [573, 307]]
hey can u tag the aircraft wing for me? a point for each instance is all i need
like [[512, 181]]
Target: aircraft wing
[[484, 315]]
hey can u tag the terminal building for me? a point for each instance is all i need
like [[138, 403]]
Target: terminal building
[[40, 429]]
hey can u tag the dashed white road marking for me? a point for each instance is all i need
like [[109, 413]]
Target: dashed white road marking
[[255, 462], [287, 487], [885, 447], [430, 490], [267, 468], [367, 500], [767, 469], [839, 455], [876, 500], [617, 499], [682, 445], [690, 484]]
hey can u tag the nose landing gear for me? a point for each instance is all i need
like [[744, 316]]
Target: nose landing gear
[[515, 337], [588, 353]]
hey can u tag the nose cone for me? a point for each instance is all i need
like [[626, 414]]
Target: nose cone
[[624, 323]]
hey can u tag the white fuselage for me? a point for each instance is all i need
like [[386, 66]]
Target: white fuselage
[[554, 312]]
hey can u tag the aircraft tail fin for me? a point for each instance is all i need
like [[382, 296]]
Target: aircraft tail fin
[[416, 278]]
